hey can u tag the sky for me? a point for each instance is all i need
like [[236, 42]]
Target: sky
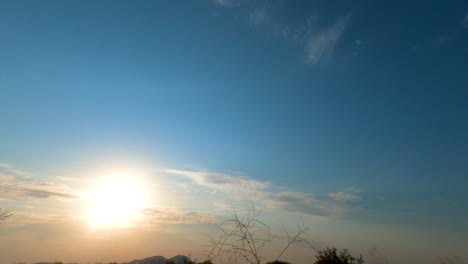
[[130, 128]]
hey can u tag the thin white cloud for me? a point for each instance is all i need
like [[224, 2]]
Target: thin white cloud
[[347, 196], [36, 189], [18, 184], [241, 188], [68, 179], [221, 181], [226, 3], [414, 48], [230, 206], [319, 43], [177, 216], [320, 46], [301, 203], [441, 39], [258, 16], [7, 171], [26, 218], [447, 37]]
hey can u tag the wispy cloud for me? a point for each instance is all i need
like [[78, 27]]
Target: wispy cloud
[[35, 189], [454, 34], [8, 172], [27, 218], [349, 195], [259, 15], [18, 184], [320, 46], [68, 179], [442, 39], [319, 42], [177, 216], [226, 3], [242, 188], [221, 181], [301, 203], [414, 48]]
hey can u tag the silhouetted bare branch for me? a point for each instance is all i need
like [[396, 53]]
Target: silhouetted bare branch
[[451, 260], [4, 214], [243, 237], [301, 236]]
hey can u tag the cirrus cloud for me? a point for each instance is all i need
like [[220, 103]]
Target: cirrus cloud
[[242, 188], [320, 46], [221, 181], [178, 216], [18, 184]]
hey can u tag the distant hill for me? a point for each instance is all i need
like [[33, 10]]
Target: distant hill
[[52, 263], [179, 259]]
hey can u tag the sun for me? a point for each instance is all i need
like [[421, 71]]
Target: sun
[[115, 201]]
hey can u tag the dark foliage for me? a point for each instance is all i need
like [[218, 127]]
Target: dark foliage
[[278, 262], [331, 256]]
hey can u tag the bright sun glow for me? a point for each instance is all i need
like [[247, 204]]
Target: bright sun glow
[[115, 201]]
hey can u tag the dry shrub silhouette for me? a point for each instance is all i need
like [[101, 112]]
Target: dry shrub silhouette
[[243, 237], [451, 260], [331, 256], [4, 214]]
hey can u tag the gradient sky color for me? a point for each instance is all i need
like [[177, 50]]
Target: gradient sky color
[[348, 115]]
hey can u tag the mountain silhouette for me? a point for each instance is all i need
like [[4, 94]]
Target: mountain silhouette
[[179, 259]]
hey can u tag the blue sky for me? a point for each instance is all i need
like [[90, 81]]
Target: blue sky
[[354, 112]]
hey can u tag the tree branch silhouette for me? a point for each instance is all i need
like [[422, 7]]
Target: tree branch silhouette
[[4, 214], [243, 237]]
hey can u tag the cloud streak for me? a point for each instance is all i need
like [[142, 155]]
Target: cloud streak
[[8, 173], [226, 3], [241, 188], [34, 189], [349, 195], [25, 218], [17, 184], [225, 182], [320, 46], [301, 203], [177, 216]]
